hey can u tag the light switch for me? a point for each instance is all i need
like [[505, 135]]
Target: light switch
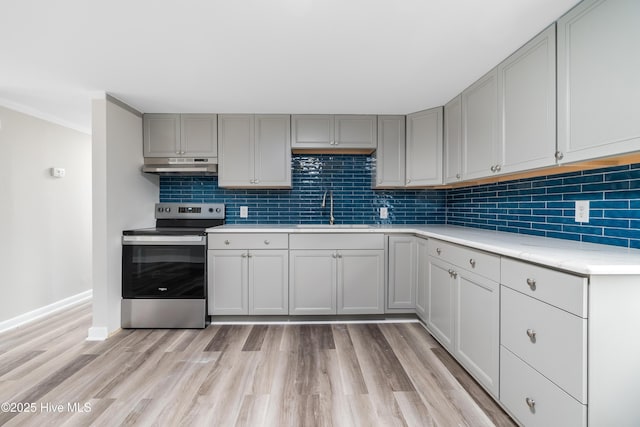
[[58, 172], [244, 211], [384, 213], [582, 211]]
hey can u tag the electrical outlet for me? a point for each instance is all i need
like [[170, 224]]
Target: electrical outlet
[[582, 211], [58, 172], [244, 211], [384, 213]]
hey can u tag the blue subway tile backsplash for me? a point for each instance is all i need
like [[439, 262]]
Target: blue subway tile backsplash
[[542, 206], [347, 176], [614, 204]]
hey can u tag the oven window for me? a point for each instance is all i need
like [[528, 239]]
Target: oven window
[[163, 271]]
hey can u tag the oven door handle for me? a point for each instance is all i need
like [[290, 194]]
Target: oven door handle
[[164, 240]]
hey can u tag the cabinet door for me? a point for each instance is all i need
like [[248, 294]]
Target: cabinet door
[[227, 282], [360, 281], [424, 148], [272, 151], [440, 302], [355, 131], [199, 135], [453, 140], [599, 79], [477, 320], [312, 131], [527, 105], [422, 278], [390, 155], [480, 128], [161, 134], [269, 282], [312, 282], [236, 150], [402, 272]]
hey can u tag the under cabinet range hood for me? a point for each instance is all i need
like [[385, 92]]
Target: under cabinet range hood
[[181, 165]]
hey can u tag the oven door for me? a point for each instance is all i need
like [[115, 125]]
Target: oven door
[[163, 270]]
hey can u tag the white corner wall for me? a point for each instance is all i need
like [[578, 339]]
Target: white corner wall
[[45, 222], [123, 198]]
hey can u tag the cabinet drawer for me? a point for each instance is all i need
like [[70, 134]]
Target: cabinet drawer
[[248, 241], [551, 406], [563, 290], [479, 262], [558, 346], [337, 241]]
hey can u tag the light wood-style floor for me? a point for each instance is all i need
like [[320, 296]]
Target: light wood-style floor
[[275, 375]]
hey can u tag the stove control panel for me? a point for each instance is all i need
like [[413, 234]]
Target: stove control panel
[[189, 210]]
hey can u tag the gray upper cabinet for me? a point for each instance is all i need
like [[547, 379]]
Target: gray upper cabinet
[[329, 132], [180, 135], [480, 145], [453, 140], [599, 80], [255, 151], [424, 148], [527, 105], [390, 155]]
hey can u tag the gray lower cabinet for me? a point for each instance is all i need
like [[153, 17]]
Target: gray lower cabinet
[[248, 282], [336, 274], [464, 308], [422, 278], [599, 80], [402, 270]]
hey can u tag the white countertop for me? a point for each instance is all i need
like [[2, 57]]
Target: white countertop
[[576, 257]]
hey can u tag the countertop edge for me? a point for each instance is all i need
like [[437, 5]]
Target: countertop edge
[[587, 259]]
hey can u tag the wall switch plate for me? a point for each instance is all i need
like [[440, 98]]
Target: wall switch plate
[[58, 172], [582, 211], [244, 211], [384, 213]]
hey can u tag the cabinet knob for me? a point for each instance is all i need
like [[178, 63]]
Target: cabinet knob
[[244, 255], [498, 167], [438, 251], [339, 255], [455, 274], [334, 255], [408, 181], [532, 335], [472, 262], [249, 255], [559, 155], [530, 403], [226, 242], [493, 168], [255, 181], [457, 176], [266, 242], [531, 283]]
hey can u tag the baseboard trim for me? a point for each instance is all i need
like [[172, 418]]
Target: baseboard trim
[[38, 313]]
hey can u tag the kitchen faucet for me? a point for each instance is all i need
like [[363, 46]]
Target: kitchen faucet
[[324, 204]]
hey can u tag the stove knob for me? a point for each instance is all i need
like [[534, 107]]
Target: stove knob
[[210, 209], [160, 209], [218, 210], [167, 210]]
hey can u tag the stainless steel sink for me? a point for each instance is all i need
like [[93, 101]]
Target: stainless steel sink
[[330, 226]]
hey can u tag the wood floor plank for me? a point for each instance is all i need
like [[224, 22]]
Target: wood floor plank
[[243, 375]]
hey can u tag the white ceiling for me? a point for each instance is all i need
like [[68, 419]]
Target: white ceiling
[[255, 56]]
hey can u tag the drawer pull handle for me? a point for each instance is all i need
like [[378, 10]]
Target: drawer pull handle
[[438, 251], [266, 242], [531, 334], [530, 403], [472, 262], [163, 289], [226, 242], [532, 284]]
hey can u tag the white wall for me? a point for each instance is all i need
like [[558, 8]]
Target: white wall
[[45, 222], [123, 198]]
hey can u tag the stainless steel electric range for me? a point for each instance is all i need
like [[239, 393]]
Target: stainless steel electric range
[[164, 269]]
